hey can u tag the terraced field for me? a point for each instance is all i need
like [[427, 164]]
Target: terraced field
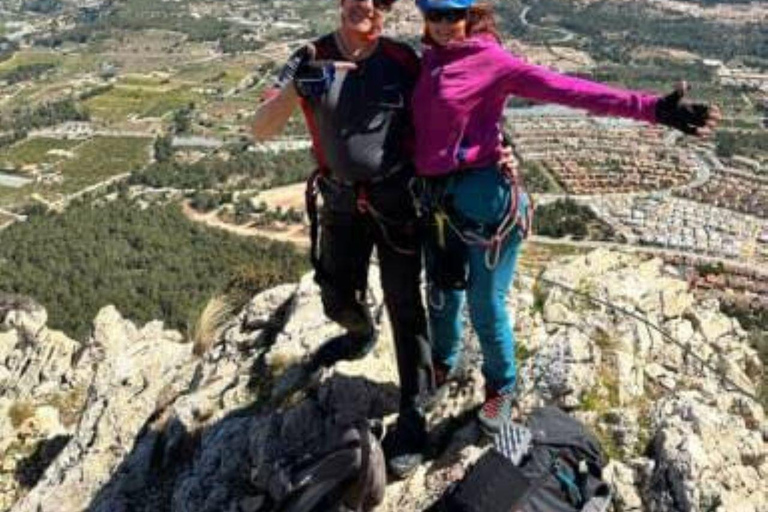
[[126, 100], [35, 152], [94, 161], [101, 158]]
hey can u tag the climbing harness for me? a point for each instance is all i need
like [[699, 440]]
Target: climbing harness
[[363, 206], [444, 215]]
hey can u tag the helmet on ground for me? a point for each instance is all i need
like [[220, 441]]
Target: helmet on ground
[[443, 5]]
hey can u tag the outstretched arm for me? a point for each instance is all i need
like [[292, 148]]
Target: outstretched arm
[[541, 84]]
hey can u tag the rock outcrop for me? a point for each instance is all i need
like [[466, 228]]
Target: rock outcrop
[[135, 418]]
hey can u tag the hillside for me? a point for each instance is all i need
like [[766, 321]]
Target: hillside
[[153, 321]]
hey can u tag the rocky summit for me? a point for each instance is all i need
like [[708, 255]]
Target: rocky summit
[[136, 418]]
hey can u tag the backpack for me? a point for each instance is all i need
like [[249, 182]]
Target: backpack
[[565, 465], [562, 472], [346, 473]]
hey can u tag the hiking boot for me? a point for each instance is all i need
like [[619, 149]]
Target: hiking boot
[[404, 445], [497, 410]]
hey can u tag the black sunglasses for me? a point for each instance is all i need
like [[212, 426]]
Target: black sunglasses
[[382, 5], [449, 15]]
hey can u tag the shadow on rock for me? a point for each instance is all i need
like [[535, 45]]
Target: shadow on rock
[[29, 470], [226, 465]]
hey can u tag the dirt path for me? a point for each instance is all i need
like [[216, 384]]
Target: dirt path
[[295, 234]]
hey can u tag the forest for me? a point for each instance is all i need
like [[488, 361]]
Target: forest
[[266, 169], [150, 263], [613, 30]]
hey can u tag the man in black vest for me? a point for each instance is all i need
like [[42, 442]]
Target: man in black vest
[[354, 87]]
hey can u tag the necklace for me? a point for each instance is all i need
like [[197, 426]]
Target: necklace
[[361, 53]]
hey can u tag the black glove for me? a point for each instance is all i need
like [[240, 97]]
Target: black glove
[[672, 110], [314, 81], [311, 79]]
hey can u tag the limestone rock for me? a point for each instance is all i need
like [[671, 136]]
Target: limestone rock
[[705, 458], [134, 419], [622, 478]]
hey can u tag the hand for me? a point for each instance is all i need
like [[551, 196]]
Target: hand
[[314, 77], [689, 117], [507, 161]]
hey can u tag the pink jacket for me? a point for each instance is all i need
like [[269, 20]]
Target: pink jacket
[[461, 92]]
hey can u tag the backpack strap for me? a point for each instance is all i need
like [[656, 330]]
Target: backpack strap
[[368, 491], [319, 480], [352, 473], [355, 496]]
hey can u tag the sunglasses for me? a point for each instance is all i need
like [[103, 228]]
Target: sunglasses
[[382, 5], [448, 15]]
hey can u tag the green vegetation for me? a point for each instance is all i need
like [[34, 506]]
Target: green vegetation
[[42, 6], [522, 352], [718, 2], [95, 161], [238, 43], [25, 118], [181, 120], [121, 101], [35, 151], [508, 17], [26, 59], [601, 398], [537, 179], [26, 72], [137, 15], [660, 75], [7, 50], [150, 263], [540, 296], [150, 14], [752, 144], [706, 269], [564, 217], [101, 158], [244, 169], [614, 31], [69, 404], [19, 412]]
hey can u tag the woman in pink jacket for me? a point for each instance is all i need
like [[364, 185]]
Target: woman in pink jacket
[[479, 214]]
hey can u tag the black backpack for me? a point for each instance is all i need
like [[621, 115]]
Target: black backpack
[[562, 472], [346, 473]]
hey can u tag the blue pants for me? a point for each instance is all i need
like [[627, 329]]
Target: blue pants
[[482, 196]]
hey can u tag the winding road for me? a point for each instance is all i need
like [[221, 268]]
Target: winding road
[[567, 35]]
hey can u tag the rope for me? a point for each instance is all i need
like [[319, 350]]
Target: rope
[[686, 349]]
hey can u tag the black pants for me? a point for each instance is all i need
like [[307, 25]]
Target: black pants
[[347, 239]]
